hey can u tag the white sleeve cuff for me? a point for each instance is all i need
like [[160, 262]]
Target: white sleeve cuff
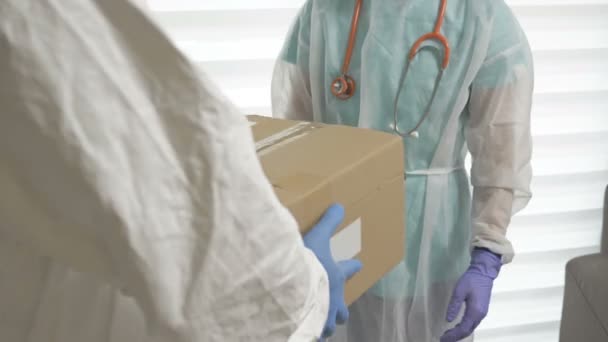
[[496, 245], [314, 314]]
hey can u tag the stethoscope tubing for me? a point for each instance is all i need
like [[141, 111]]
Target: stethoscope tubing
[[343, 87]]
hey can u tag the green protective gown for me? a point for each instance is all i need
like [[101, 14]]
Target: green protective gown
[[482, 106]]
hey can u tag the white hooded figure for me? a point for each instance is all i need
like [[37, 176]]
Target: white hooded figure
[[132, 204]]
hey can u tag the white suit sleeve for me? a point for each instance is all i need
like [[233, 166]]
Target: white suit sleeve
[[291, 93], [119, 159], [498, 135], [291, 98]]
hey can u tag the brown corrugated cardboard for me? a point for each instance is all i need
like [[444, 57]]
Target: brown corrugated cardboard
[[312, 166]]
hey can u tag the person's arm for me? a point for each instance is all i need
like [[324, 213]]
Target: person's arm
[[119, 160], [499, 139], [498, 134], [291, 93]]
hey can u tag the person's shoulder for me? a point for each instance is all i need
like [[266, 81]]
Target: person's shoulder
[[304, 14], [507, 41], [500, 17], [306, 8], [498, 11], [492, 9]]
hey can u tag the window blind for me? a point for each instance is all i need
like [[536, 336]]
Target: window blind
[[237, 41]]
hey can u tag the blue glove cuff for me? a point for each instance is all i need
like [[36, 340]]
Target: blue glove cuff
[[486, 262]]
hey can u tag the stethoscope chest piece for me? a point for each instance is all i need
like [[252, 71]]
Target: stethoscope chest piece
[[343, 87]]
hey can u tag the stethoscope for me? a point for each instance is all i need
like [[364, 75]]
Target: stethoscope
[[343, 87]]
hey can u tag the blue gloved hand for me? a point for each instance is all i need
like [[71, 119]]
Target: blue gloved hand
[[475, 289], [318, 241]]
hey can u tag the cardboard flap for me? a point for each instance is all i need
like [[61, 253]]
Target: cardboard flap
[[327, 152], [293, 187]]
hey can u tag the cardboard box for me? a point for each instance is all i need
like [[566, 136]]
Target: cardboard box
[[312, 166]]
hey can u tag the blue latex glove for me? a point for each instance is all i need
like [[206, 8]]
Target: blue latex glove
[[475, 289], [318, 241]]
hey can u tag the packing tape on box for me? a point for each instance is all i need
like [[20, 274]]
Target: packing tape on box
[[284, 137]]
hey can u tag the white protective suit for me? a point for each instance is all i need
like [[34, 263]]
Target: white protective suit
[[482, 106], [132, 204]]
